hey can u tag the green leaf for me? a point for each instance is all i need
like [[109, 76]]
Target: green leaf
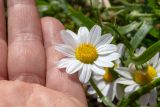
[[152, 3], [148, 54], [140, 34], [155, 33], [42, 5], [79, 18], [128, 28]]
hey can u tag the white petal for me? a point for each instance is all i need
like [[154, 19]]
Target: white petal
[[123, 71], [154, 60], [95, 33], [140, 51], [125, 81], [110, 57], [83, 34], [158, 74], [130, 89], [65, 49], [118, 63], [106, 49], [63, 63], [85, 74], [104, 39], [97, 77], [101, 84], [153, 97], [119, 91], [99, 100], [68, 39], [97, 69], [103, 63], [111, 91], [91, 91], [105, 90], [144, 99], [74, 66], [72, 33], [120, 48]]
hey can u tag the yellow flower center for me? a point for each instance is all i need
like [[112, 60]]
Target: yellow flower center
[[108, 76], [145, 77], [86, 53]]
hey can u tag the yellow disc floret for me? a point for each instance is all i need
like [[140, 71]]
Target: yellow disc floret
[[108, 76], [86, 53], [145, 77]]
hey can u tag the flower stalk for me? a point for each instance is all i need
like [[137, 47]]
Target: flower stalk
[[104, 99]]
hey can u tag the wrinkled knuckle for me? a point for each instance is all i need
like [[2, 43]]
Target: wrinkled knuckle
[[24, 36], [29, 78]]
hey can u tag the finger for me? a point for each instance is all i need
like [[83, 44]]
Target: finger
[[3, 44], [57, 79], [26, 57]]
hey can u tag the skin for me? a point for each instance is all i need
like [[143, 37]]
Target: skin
[[28, 74]]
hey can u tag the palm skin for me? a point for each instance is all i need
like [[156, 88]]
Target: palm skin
[[28, 73], [20, 94]]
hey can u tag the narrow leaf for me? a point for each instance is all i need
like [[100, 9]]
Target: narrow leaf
[[148, 54], [128, 28], [140, 34], [78, 17]]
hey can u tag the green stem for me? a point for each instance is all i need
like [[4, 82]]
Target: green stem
[[130, 4], [96, 88], [106, 100], [137, 94], [116, 7], [142, 15]]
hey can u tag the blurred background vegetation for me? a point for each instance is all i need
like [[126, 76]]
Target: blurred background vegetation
[[134, 22], [127, 16]]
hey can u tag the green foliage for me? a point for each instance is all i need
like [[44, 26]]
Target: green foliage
[[148, 54], [140, 34]]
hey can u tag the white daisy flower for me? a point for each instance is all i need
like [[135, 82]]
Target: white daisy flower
[[106, 83], [134, 78], [86, 51]]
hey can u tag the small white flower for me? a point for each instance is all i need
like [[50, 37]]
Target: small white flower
[[134, 78], [106, 83], [86, 52]]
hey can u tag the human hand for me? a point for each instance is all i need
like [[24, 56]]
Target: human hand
[[31, 57]]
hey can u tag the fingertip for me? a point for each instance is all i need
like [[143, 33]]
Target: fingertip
[[53, 20], [51, 31]]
